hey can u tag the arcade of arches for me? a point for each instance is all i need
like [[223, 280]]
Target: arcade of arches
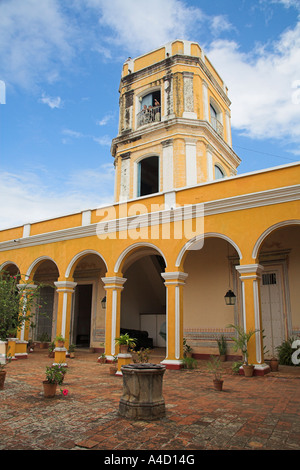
[[170, 305]]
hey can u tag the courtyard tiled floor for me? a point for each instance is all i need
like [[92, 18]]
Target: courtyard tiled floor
[[259, 413]]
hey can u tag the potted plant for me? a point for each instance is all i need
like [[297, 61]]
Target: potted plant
[[187, 350], [189, 362], [141, 356], [222, 348], [54, 376], [285, 351], [71, 351], [44, 340], [274, 362], [124, 342], [51, 349], [102, 358], [113, 368], [30, 346], [214, 365], [241, 343], [60, 341]]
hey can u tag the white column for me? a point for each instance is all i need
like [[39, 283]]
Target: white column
[[209, 160], [168, 167], [228, 129], [113, 286], [250, 276], [174, 282], [188, 95], [168, 107], [191, 162], [66, 288], [205, 101], [125, 179]]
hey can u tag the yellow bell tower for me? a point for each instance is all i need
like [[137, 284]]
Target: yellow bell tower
[[174, 124]]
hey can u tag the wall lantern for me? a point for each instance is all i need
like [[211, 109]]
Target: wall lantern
[[103, 303], [230, 298]]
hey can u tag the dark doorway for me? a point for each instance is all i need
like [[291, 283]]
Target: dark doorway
[[82, 315], [148, 176]]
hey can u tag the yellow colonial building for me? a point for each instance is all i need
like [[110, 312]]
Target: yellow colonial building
[[184, 229]]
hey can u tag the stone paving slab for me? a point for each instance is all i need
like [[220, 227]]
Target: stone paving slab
[[257, 413]]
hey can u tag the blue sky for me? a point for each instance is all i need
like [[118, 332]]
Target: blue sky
[[61, 62]]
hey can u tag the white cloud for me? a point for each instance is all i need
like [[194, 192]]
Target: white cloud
[[263, 85], [35, 41], [219, 24], [85, 189], [52, 102], [71, 133], [141, 25], [288, 3], [102, 140], [104, 120]]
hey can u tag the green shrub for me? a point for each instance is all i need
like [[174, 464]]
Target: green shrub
[[285, 352], [189, 363]]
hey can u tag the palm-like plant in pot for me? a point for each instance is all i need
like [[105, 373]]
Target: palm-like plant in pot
[[241, 343], [222, 347], [214, 365], [124, 341]]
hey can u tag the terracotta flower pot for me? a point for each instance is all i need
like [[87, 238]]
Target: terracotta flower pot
[[218, 384], [49, 389], [113, 370], [123, 348], [2, 379], [248, 370], [274, 364]]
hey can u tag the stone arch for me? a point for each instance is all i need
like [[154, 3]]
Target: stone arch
[[11, 266], [143, 305], [198, 241], [36, 263], [71, 266], [87, 317], [277, 250], [135, 248], [268, 231]]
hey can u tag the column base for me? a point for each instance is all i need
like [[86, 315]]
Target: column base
[[60, 356], [259, 370], [21, 356], [21, 349], [173, 364], [123, 360]]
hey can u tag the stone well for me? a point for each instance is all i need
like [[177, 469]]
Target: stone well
[[142, 391]]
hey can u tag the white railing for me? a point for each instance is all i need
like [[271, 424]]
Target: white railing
[[150, 114]]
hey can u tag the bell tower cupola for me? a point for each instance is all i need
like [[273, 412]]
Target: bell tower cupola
[[174, 123]]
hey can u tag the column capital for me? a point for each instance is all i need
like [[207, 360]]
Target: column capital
[[65, 286], [113, 282], [176, 277], [249, 271], [26, 286]]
